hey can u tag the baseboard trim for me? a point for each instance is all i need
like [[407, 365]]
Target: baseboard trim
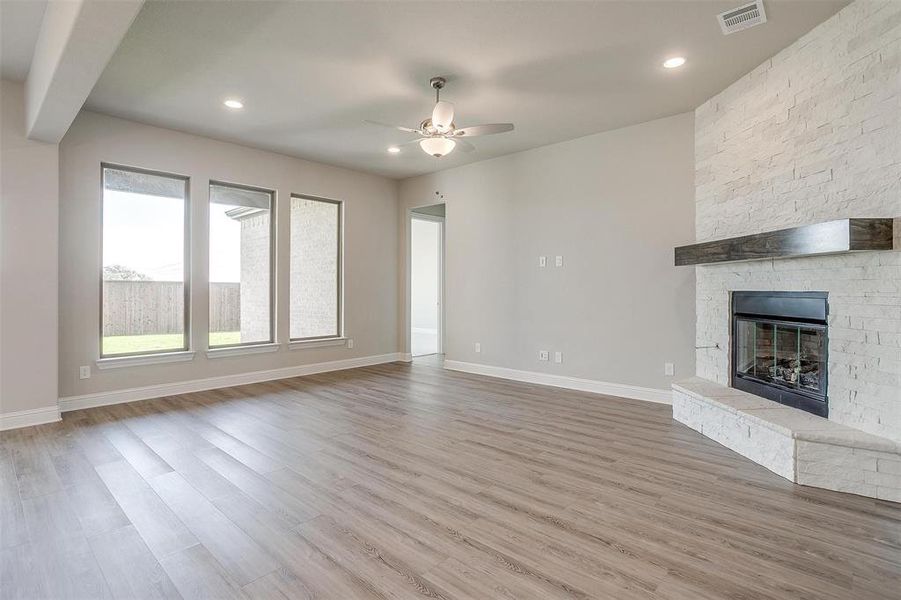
[[27, 418], [633, 392], [70, 403]]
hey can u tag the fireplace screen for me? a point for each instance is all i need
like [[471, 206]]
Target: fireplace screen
[[782, 354], [779, 348]]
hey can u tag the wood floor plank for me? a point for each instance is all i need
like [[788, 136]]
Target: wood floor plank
[[198, 576], [183, 459], [144, 460], [97, 510], [34, 470], [161, 530], [374, 563], [280, 585], [117, 552], [13, 530], [309, 570], [21, 575], [410, 481], [69, 569], [258, 487], [484, 579], [50, 517], [243, 558]]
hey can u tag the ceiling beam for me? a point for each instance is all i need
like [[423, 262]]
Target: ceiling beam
[[77, 40]]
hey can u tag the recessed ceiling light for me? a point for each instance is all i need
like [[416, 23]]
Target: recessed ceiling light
[[393, 149], [672, 63], [232, 103]]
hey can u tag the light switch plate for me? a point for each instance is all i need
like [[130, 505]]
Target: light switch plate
[[558, 357], [668, 368], [84, 372], [478, 347], [542, 261], [542, 355], [558, 261]]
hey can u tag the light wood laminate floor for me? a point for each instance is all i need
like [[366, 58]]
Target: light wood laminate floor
[[400, 481]]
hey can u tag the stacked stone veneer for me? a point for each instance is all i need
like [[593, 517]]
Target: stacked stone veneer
[[797, 445], [811, 135]]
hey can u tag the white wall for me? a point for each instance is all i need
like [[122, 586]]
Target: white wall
[[613, 205], [425, 277], [811, 135], [370, 258], [28, 254]]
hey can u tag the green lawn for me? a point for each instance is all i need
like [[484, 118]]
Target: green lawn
[[129, 344]]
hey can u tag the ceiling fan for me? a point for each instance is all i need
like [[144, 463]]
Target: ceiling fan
[[439, 134]]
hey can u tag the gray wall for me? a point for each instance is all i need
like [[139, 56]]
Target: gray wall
[[613, 205], [28, 256], [371, 274]]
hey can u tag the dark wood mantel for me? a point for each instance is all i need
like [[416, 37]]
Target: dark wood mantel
[[831, 237]]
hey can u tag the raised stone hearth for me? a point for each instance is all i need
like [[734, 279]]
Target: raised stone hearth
[[797, 445]]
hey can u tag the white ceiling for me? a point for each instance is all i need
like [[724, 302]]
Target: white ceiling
[[20, 23], [310, 72]]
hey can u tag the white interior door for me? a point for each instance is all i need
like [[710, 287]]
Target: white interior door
[[425, 286]]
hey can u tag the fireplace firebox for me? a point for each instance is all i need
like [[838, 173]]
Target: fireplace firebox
[[779, 347]]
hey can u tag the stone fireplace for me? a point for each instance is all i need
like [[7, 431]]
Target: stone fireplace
[[810, 136]]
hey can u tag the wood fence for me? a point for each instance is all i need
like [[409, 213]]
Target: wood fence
[[157, 307]]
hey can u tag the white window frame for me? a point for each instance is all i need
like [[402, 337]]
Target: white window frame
[[260, 345], [151, 356]]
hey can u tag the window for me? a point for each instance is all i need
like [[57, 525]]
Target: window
[[315, 268], [241, 260], [144, 290]]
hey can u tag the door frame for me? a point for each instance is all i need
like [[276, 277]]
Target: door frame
[[411, 215]]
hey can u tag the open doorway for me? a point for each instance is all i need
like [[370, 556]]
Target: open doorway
[[427, 282]]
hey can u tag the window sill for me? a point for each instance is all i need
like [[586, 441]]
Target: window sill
[[323, 343], [242, 350], [119, 362]]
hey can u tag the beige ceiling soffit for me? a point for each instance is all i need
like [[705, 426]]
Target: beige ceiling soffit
[[77, 40]]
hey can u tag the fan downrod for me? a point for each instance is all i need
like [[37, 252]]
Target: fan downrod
[[437, 83]]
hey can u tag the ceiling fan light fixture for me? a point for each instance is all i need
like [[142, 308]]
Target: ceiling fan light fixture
[[437, 146]]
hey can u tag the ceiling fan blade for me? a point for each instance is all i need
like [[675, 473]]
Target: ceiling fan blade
[[443, 116], [463, 145], [483, 129], [411, 142], [389, 126]]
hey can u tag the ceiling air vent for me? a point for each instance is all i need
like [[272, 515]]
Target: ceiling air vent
[[742, 17]]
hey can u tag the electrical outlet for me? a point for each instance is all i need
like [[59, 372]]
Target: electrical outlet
[[350, 342], [478, 347], [558, 261], [668, 368], [84, 372], [542, 355], [542, 261], [558, 357]]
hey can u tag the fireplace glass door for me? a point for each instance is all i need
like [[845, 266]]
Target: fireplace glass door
[[788, 355]]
